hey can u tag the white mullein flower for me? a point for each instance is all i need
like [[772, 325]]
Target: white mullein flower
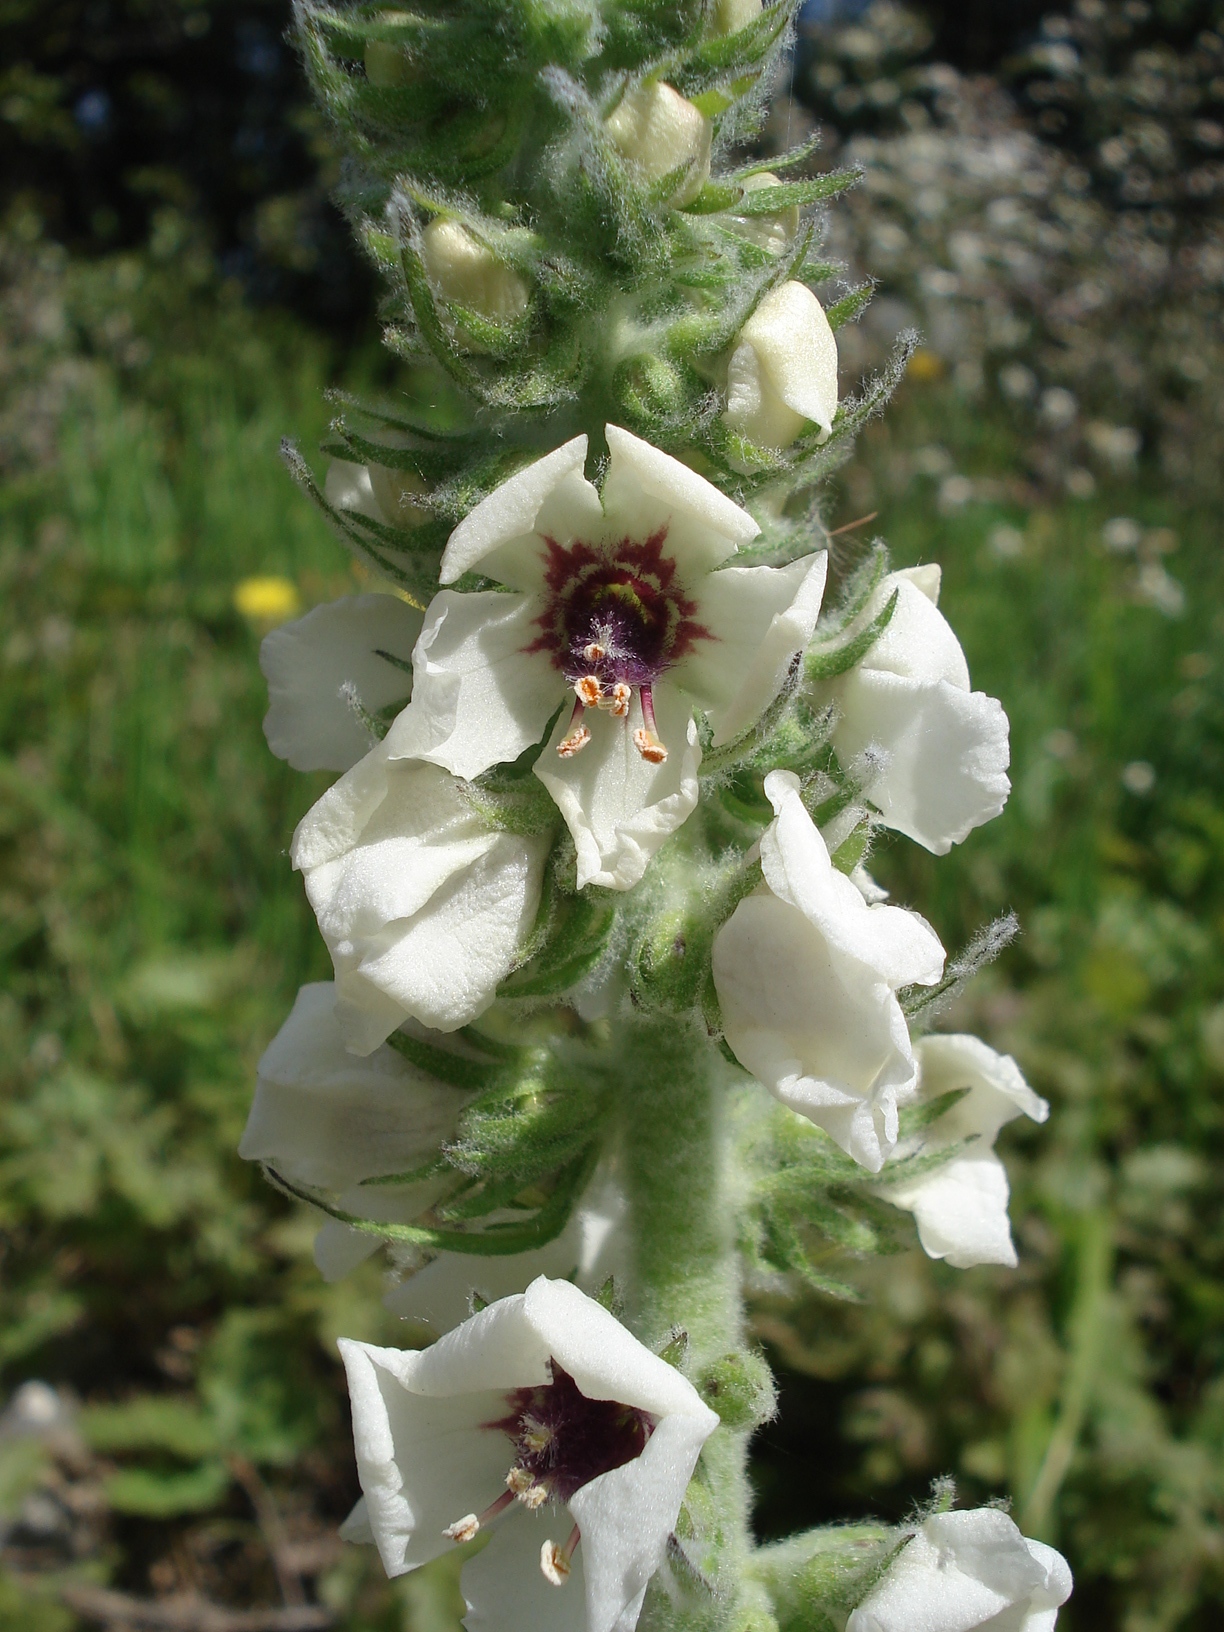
[[327, 1119], [782, 373], [806, 973], [963, 1571], [544, 1417], [623, 615], [942, 749], [961, 1206], [422, 903]]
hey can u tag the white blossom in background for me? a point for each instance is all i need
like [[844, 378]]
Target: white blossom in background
[[591, 1247], [422, 904], [343, 657], [942, 749], [806, 973], [657, 131], [327, 1119], [618, 617], [782, 373], [544, 1417], [961, 1206], [962, 1571]]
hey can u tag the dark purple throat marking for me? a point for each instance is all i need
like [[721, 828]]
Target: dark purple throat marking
[[615, 619], [562, 1440]]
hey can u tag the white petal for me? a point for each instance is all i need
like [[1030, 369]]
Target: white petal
[[324, 1117], [505, 1588], [618, 807], [356, 1528], [626, 1517], [1055, 1587], [510, 510], [899, 946], [918, 643], [945, 753], [348, 487], [499, 1348], [961, 1211], [443, 965], [760, 619], [711, 526], [307, 664], [997, 1089], [422, 1463], [478, 696], [813, 1025], [422, 905], [338, 1249], [604, 1358], [334, 823]]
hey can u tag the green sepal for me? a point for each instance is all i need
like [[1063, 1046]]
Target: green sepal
[[675, 1350], [846, 309], [715, 198], [783, 161], [796, 194], [494, 1241], [457, 1070]]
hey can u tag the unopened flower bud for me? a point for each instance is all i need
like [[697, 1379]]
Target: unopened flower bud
[[395, 491], [783, 370], [771, 232], [378, 492], [657, 130], [387, 66], [464, 271], [732, 15]]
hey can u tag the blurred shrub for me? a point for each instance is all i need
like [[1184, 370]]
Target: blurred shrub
[[1056, 230]]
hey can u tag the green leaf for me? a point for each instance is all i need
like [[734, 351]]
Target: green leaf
[[150, 1422], [160, 1495]]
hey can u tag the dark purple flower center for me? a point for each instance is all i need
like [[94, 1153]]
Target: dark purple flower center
[[615, 612], [563, 1440]]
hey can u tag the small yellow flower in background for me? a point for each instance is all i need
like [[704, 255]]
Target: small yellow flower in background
[[925, 364], [267, 599]]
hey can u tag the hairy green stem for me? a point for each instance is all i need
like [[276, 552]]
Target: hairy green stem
[[685, 1276]]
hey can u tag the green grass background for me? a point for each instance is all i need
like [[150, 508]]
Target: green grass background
[[152, 937]]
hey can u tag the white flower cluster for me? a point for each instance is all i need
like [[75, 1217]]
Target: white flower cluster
[[611, 634]]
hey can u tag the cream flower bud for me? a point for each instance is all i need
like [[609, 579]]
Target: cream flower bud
[[783, 371], [378, 492], [732, 15], [657, 130], [461, 269], [771, 232]]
